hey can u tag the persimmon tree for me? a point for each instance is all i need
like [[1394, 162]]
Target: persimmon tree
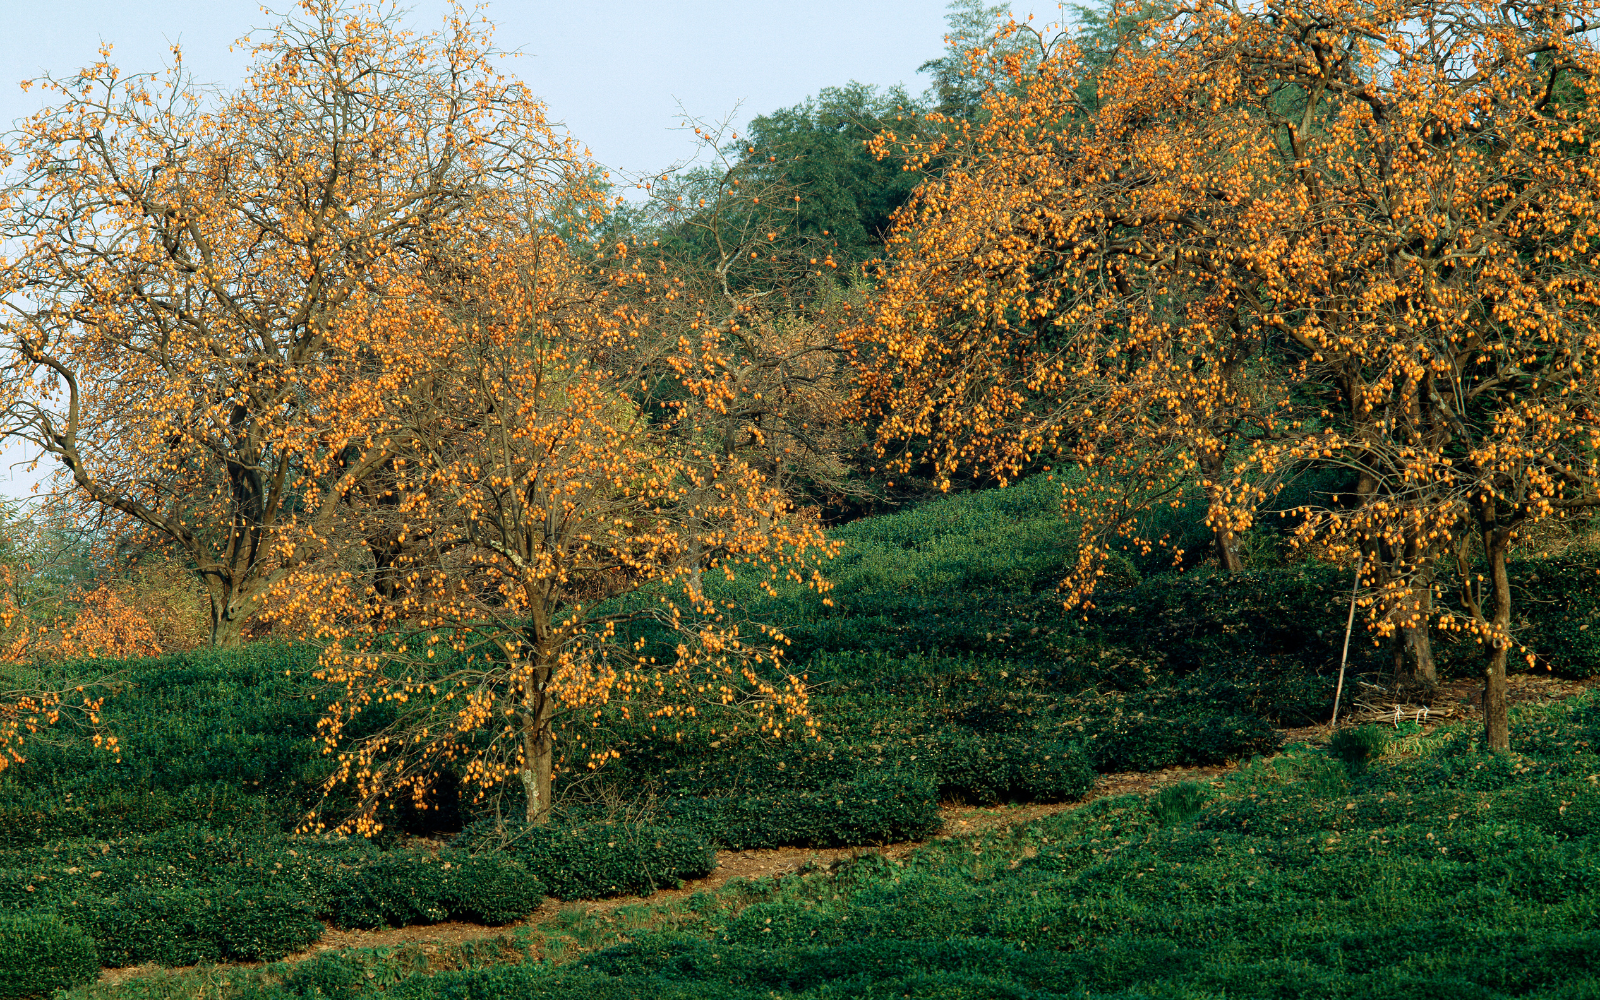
[[1436, 274], [182, 266], [1053, 296], [555, 495], [1348, 236]]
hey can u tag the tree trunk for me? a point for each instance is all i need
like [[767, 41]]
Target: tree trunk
[[1227, 542], [1496, 719], [1228, 551], [538, 748], [227, 624], [537, 756], [1413, 652], [1421, 669]]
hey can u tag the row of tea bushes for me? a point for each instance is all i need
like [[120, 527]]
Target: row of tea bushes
[[192, 894], [599, 859], [182, 926], [33, 816], [875, 808]]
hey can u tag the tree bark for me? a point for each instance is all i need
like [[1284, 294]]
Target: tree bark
[[227, 624], [538, 749], [1417, 644], [1228, 556], [1413, 652], [537, 758], [1227, 542]]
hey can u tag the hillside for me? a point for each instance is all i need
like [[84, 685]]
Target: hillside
[[942, 672]]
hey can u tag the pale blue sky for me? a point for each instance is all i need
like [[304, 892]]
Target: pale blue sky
[[612, 71]]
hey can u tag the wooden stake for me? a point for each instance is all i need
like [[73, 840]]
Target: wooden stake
[[1345, 656]]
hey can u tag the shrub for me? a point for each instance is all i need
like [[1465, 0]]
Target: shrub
[[493, 890], [1009, 768], [1566, 633], [418, 887], [875, 808], [1358, 747], [40, 954], [181, 926], [1178, 803], [1150, 742], [253, 924], [29, 817], [141, 925], [597, 860], [326, 976], [400, 888]]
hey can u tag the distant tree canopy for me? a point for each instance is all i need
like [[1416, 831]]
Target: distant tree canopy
[[848, 195]]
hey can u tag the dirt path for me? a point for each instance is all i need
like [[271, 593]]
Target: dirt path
[[1453, 702]]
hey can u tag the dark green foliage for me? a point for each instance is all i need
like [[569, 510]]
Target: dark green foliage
[[493, 890], [1441, 869], [40, 954], [1358, 747], [222, 738], [1178, 803], [326, 976], [874, 808], [37, 815], [192, 894], [1561, 626], [820, 147], [1003, 768], [1149, 742], [400, 888], [596, 860], [182, 926]]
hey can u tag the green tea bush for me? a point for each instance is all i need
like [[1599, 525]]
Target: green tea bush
[[1178, 803], [32, 816], [874, 808], [178, 858], [1009, 769], [493, 890], [181, 926], [398, 889], [600, 859], [1147, 742], [1565, 634], [1205, 617], [40, 954], [330, 976], [253, 924], [401, 888], [228, 893]]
